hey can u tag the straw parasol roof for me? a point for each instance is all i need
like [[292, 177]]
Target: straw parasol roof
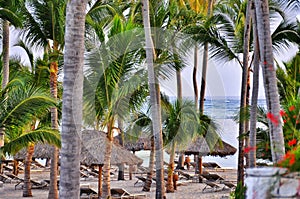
[[142, 143], [93, 150], [40, 151], [200, 146], [223, 149]]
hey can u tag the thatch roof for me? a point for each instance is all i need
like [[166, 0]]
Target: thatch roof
[[94, 146], [200, 146], [40, 151], [92, 150], [142, 143]]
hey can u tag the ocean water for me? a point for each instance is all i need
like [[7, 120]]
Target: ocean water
[[222, 110]]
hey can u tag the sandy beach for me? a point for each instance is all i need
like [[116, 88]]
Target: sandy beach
[[187, 189]]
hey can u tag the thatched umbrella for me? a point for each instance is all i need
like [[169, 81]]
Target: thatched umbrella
[[200, 147], [40, 151], [93, 151], [143, 143]]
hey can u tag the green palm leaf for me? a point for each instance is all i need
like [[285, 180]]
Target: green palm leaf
[[42, 135]]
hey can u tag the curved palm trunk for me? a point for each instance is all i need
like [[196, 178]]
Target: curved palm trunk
[[5, 71], [27, 185], [240, 176], [195, 84], [106, 166], [53, 189], [253, 113], [148, 182], [203, 79], [270, 81], [72, 100], [155, 104], [170, 185]]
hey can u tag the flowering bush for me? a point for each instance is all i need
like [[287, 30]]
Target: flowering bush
[[291, 160], [291, 119]]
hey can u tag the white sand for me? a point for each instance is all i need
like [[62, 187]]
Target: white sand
[[189, 189]]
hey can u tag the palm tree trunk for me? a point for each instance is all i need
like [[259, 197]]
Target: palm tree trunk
[[72, 100], [155, 104], [195, 84], [240, 176], [205, 64], [148, 182], [170, 185], [5, 72], [121, 142], [100, 180], [53, 189], [16, 167], [253, 113], [106, 166], [27, 185], [5, 52], [270, 81], [203, 79]]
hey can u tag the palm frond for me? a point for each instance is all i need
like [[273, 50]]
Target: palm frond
[[42, 135]]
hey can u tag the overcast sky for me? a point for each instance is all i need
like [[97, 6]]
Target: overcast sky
[[222, 79]]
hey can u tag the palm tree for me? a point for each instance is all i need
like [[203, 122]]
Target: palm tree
[[155, 103], [72, 99], [114, 67], [180, 125], [24, 100], [45, 24], [270, 83], [8, 14]]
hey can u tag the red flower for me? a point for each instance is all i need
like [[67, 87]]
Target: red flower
[[272, 118], [282, 113], [284, 121], [248, 149], [291, 108], [294, 116], [293, 159], [292, 142]]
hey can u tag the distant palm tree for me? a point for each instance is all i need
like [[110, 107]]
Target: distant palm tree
[[180, 125], [72, 99]]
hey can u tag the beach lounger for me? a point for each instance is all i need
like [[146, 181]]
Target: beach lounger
[[86, 189], [120, 193], [212, 185], [5, 178], [34, 184], [228, 184], [210, 165], [140, 178], [212, 177]]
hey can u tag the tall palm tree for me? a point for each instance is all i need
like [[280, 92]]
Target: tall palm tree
[[155, 103], [9, 15], [72, 99], [270, 82], [113, 66], [45, 24]]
